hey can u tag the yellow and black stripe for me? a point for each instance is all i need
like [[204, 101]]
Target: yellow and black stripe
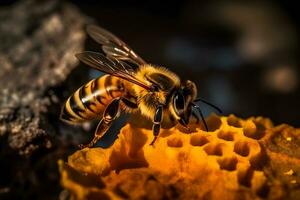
[[90, 101]]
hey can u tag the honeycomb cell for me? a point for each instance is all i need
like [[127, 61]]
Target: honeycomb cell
[[213, 122], [198, 140], [233, 121], [228, 164], [214, 149], [260, 130], [254, 130], [226, 135], [175, 142], [242, 148]]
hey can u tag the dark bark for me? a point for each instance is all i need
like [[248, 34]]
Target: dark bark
[[38, 42]]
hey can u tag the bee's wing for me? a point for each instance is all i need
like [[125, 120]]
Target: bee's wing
[[113, 46], [110, 65]]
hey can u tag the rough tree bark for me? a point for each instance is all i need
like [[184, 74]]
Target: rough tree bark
[[38, 43]]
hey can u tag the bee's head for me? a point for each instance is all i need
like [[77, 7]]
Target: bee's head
[[181, 101]]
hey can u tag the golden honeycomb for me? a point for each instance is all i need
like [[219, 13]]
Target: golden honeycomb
[[236, 159]]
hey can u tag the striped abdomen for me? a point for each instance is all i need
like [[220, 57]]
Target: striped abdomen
[[90, 101]]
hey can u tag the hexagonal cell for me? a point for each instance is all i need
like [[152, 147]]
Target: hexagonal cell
[[228, 164], [198, 140], [214, 149], [226, 135], [175, 142], [213, 123], [253, 130], [242, 148], [233, 121], [260, 130]]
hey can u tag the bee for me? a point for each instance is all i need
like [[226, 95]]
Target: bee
[[130, 85]]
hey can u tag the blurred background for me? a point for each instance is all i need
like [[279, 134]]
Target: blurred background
[[242, 56]]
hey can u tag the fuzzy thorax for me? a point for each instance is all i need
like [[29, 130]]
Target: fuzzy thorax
[[165, 79]]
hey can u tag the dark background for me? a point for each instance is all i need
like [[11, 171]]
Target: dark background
[[242, 56]]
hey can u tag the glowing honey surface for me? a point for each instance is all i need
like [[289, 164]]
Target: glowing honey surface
[[228, 162]]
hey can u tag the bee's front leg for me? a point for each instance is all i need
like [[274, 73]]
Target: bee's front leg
[[111, 112], [201, 114], [156, 123]]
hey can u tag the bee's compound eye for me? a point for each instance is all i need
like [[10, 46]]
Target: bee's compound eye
[[179, 103]]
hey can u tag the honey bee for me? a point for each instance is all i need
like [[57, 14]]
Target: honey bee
[[130, 85]]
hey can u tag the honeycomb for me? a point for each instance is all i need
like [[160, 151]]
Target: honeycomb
[[233, 160]]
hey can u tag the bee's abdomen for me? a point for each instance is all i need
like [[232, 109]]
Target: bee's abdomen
[[90, 101]]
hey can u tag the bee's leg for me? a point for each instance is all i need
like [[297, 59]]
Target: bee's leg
[[201, 115], [156, 123], [111, 112], [100, 130]]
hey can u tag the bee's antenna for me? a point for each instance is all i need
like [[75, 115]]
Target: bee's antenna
[[201, 114], [210, 104]]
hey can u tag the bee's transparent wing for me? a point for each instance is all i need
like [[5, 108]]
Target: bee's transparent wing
[[110, 65], [113, 46]]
